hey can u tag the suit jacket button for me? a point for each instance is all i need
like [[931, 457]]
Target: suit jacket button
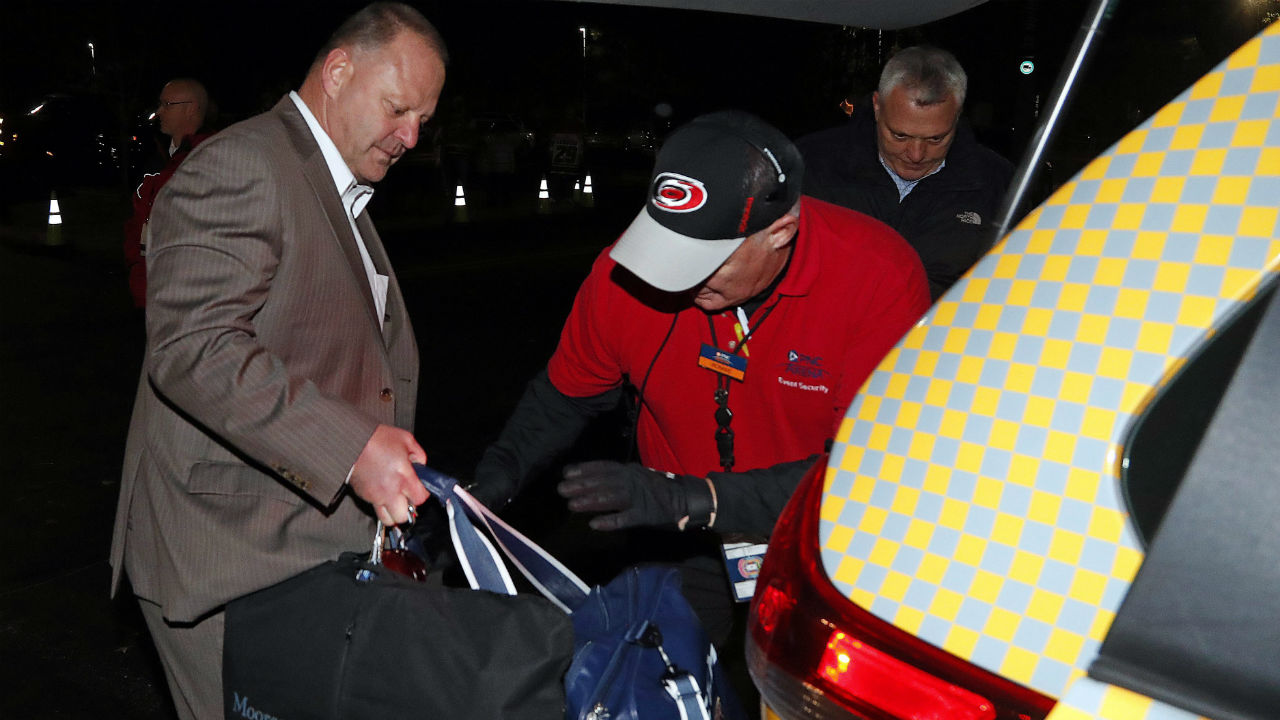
[[386, 394]]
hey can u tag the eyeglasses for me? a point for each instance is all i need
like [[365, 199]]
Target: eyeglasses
[[170, 103]]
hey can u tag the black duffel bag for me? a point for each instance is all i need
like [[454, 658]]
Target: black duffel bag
[[327, 644]]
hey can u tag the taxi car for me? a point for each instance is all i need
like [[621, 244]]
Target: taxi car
[[1054, 497]]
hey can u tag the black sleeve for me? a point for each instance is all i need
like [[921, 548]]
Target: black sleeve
[[544, 424], [750, 502]]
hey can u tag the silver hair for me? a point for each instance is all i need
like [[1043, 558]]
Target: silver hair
[[931, 74]]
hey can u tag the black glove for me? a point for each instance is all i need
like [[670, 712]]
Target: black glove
[[492, 488], [636, 495]]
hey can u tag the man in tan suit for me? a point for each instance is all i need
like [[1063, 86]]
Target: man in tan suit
[[273, 419]]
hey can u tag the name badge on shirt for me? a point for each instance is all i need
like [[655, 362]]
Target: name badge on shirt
[[743, 561], [725, 363]]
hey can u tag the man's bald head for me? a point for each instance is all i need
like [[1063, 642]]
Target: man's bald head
[[183, 106]]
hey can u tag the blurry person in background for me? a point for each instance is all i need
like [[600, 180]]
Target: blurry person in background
[[182, 110]]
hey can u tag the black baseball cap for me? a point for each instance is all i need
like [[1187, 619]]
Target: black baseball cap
[[701, 203]]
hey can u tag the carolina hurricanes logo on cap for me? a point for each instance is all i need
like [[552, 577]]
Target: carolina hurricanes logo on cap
[[677, 193]]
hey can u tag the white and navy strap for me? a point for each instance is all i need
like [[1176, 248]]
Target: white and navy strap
[[681, 685], [482, 565], [690, 699], [556, 582]]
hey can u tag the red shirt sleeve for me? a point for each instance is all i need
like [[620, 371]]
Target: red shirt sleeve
[[586, 362]]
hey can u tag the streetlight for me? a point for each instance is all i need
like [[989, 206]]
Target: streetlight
[[582, 30], [93, 62]]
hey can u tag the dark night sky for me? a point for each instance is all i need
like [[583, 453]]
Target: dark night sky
[[525, 56], [500, 48]]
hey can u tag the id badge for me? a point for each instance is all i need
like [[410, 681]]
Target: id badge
[[743, 561], [725, 363]]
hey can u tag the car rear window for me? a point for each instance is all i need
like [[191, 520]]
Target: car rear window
[[1165, 437]]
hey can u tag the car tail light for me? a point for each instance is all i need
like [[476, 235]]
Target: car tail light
[[863, 672], [815, 654]]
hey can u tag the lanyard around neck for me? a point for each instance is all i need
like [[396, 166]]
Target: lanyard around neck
[[724, 416]]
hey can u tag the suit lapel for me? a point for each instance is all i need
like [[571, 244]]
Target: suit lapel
[[318, 176], [382, 265], [397, 331]]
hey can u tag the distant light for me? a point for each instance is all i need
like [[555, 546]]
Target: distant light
[[151, 117], [1027, 67], [36, 109], [583, 30]]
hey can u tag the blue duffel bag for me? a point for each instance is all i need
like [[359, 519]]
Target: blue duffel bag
[[640, 652]]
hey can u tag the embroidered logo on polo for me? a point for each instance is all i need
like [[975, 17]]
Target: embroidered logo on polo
[[673, 192], [807, 366], [805, 370]]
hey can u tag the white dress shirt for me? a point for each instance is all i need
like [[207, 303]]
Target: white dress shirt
[[354, 199]]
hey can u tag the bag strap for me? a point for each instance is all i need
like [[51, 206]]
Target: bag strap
[[480, 562], [690, 700], [681, 685], [555, 581]]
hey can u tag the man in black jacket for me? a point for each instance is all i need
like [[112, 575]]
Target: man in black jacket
[[909, 161]]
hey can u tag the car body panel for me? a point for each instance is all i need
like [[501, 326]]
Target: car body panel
[[883, 15], [1088, 699], [973, 497]]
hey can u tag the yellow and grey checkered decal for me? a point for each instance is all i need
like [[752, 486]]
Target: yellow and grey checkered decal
[[972, 498], [1088, 699]]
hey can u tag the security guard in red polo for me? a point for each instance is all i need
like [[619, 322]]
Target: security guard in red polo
[[745, 317]]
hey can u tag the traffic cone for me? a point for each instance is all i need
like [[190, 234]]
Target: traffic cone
[[459, 205], [53, 235], [588, 199], [544, 197]]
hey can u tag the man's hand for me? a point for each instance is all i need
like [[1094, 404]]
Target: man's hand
[[636, 495], [384, 476]]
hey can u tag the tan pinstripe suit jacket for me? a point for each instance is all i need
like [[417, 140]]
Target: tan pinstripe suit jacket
[[265, 373]]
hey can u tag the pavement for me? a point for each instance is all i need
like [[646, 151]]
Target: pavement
[[487, 297]]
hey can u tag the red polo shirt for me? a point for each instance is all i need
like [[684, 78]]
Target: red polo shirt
[[853, 288]]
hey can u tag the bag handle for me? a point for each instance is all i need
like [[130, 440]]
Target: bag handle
[[482, 565], [555, 581]]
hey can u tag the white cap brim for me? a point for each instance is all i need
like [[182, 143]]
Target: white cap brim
[[668, 260]]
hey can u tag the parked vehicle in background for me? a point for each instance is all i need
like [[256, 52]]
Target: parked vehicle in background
[[502, 143], [640, 140], [62, 139], [600, 138]]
